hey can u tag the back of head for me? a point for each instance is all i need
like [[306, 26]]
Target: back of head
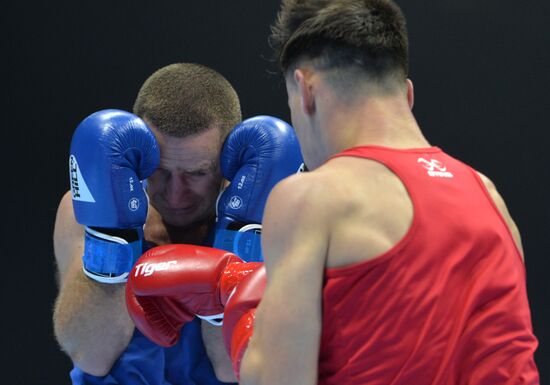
[[184, 99], [350, 40]]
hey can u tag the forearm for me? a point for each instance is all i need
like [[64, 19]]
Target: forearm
[[215, 349], [91, 322], [278, 357]]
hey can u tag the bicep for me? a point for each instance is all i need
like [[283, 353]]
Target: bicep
[[68, 238], [287, 327]]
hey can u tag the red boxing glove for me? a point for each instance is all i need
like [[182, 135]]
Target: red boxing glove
[[171, 284], [238, 322]]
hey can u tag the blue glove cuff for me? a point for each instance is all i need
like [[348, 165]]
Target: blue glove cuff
[[109, 259], [245, 242]]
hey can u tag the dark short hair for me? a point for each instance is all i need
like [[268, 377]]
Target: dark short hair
[[184, 98], [369, 35]]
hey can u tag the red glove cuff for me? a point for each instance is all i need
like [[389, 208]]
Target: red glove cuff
[[239, 341], [238, 323], [232, 275]]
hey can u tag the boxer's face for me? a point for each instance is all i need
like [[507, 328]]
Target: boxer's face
[[186, 184]]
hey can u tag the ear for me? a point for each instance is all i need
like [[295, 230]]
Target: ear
[[410, 93], [302, 79]]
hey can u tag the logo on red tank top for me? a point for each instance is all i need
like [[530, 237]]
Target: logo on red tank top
[[435, 168]]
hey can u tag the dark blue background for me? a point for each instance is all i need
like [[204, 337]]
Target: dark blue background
[[481, 74]]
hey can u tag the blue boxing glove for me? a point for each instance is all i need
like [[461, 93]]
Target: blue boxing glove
[[257, 154], [112, 152]]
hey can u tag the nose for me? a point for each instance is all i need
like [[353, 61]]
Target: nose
[[177, 193]]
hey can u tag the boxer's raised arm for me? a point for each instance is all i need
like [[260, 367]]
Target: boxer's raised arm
[[98, 234], [284, 348], [90, 319], [68, 237]]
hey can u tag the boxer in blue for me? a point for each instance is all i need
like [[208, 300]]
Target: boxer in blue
[[184, 112]]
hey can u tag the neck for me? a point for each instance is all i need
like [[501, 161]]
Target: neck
[[377, 120], [194, 233], [158, 232]]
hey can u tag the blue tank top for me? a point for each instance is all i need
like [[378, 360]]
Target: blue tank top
[[145, 363]]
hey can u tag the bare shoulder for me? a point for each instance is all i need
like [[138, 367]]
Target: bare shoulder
[[355, 185], [296, 220], [293, 199], [347, 211], [302, 195], [341, 189], [488, 184], [67, 236], [501, 206], [497, 198], [374, 210]]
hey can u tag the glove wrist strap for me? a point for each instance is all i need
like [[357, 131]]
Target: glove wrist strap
[[245, 242], [107, 258], [216, 319]]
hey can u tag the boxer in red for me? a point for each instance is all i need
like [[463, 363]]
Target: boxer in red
[[390, 262]]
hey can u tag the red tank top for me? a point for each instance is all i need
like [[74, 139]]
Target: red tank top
[[447, 304]]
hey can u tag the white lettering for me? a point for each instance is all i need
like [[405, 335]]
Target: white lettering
[[441, 174], [74, 177], [79, 188], [137, 268], [241, 182], [147, 269], [435, 168]]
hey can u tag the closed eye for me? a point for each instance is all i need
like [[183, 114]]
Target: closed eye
[[197, 173]]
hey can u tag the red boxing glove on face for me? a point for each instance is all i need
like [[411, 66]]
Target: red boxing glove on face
[[171, 284], [238, 323]]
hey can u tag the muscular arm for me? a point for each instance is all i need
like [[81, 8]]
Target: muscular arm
[[90, 319], [285, 346]]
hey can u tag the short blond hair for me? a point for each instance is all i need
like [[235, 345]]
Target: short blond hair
[[185, 98]]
